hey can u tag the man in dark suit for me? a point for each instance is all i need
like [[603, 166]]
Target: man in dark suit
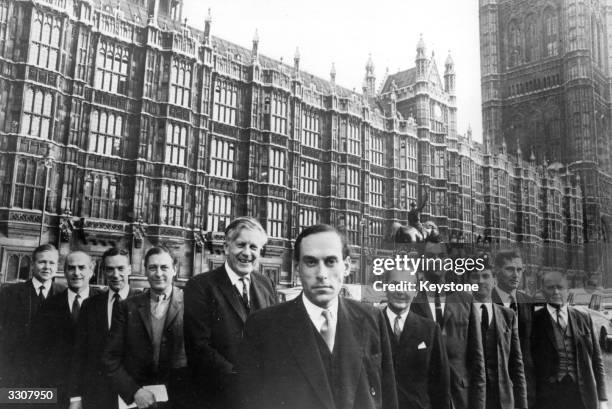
[[419, 357], [19, 304], [89, 386], [145, 345], [319, 350], [217, 305], [569, 368], [506, 385], [55, 326], [508, 270], [458, 320]]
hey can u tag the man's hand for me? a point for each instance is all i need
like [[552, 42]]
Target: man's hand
[[76, 405], [143, 398]]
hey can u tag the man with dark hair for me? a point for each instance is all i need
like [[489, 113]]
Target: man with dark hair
[[89, 386], [508, 269], [319, 350], [217, 305], [419, 358], [145, 345], [506, 386], [457, 318], [569, 368], [54, 328], [19, 304]]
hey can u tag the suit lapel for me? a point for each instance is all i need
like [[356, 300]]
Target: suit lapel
[[144, 309], [303, 345], [349, 338], [176, 304], [548, 326], [495, 297], [420, 305], [229, 292], [259, 291]]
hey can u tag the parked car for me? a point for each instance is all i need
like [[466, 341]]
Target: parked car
[[600, 310]]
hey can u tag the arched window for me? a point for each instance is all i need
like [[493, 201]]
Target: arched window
[[551, 32], [514, 44], [532, 45]]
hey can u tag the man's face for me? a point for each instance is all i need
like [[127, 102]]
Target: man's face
[[554, 288], [435, 251], [45, 265], [485, 282], [117, 270], [321, 267], [509, 274], [243, 252], [78, 271], [399, 301], [160, 272]]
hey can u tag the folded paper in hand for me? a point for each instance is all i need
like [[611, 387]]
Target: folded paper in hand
[[422, 345], [159, 391]]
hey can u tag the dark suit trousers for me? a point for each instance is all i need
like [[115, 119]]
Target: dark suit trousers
[[559, 395]]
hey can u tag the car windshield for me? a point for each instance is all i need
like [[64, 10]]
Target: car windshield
[[581, 299], [606, 302]]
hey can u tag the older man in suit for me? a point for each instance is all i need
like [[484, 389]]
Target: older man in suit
[[217, 305], [145, 345], [19, 304], [319, 350], [506, 385], [54, 329], [458, 320], [508, 269], [569, 368], [419, 357], [89, 386]]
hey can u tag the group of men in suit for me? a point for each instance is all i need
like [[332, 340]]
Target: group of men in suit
[[223, 343]]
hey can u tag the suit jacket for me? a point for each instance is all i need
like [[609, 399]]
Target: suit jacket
[[53, 336], [214, 325], [421, 367], [525, 317], [128, 355], [461, 335], [18, 307], [87, 377], [510, 375], [589, 363], [280, 365]]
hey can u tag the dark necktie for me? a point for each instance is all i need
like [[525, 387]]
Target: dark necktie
[[76, 308], [115, 300], [513, 305], [245, 293], [560, 321], [484, 323], [41, 294], [438, 306], [397, 328], [328, 332]]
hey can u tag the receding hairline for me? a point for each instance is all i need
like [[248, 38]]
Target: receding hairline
[[241, 223], [546, 274], [74, 253]]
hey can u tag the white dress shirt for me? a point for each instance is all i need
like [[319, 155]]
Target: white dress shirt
[[316, 313], [402, 318], [505, 297], [432, 303], [123, 293], [83, 295], [488, 306], [562, 312], [235, 279], [36, 284]]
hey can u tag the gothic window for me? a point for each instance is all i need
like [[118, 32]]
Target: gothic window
[[172, 204], [112, 68], [100, 196], [176, 144], [83, 50], [352, 140], [180, 86], [18, 267], [376, 191], [309, 178], [29, 184], [219, 212], [106, 133], [308, 217], [225, 102], [37, 113], [44, 40], [349, 187], [572, 26], [352, 228], [275, 218], [376, 233], [377, 148], [222, 159], [278, 122], [532, 46], [276, 174], [514, 44], [311, 133], [3, 25], [438, 164]]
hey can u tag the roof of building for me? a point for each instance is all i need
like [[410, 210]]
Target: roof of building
[[402, 79]]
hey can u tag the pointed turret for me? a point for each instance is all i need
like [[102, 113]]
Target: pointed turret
[[370, 78], [296, 63], [449, 75], [207, 22], [255, 48], [332, 74], [421, 61]]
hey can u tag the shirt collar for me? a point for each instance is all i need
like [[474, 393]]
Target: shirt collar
[[123, 293], [505, 296], [315, 312], [83, 295], [391, 315], [167, 292], [553, 311], [235, 278], [36, 283]]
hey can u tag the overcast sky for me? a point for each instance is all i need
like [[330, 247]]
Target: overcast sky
[[346, 31]]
